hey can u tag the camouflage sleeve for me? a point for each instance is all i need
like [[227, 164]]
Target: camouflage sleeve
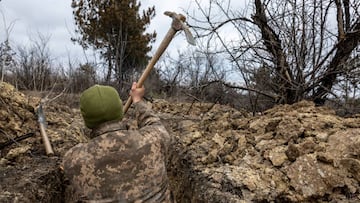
[[145, 115], [149, 121]]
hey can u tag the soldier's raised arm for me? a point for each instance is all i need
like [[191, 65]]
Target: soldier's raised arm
[[144, 115]]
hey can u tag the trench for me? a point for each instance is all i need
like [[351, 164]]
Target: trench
[[216, 157], [41, 180]]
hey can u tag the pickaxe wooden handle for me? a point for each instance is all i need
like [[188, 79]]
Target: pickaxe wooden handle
[[45, 138], [42, 123], [177, 24]]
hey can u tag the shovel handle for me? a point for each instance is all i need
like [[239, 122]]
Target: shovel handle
[[164, 44], [45, 138]]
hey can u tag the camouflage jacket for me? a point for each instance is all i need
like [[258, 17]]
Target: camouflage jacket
[[120, 165]]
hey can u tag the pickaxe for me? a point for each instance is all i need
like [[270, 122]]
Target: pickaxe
[[42, 125], [177, 24]]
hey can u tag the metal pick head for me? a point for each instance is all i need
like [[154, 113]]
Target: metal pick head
[[189, 37], [179, 24]]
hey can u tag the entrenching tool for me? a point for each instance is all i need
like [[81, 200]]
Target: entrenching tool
[[177, 24], [42, 125], [42, 121]]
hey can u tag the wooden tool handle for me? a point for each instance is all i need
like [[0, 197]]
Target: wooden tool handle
[[45, 138], [164, 44]]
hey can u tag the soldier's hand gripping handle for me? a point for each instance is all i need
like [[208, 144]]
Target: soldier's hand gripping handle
[[136, 93]]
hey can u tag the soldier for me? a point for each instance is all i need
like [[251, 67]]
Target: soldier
[[117, 165]]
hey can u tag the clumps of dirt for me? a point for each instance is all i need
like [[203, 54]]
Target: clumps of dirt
[[16, 113], [196, 109], [292, 153], [26, 173], [36, 180]]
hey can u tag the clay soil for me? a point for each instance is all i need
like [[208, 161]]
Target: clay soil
[[291, 153]]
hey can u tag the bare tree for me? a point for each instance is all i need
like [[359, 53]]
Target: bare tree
[[34, 65], [172, 73], [6, 52], [195, 73], [348, 101], [301, 42], [81, 77]]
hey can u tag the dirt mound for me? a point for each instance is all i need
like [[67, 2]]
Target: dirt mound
[[291, 153], [26, 173]]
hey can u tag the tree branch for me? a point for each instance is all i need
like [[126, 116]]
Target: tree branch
[[228, 85], [274, 47], [340, 20], [344, 49]]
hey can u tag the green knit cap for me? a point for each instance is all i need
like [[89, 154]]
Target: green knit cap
[[99, 104]]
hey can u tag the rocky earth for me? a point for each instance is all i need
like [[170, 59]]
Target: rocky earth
[[27, 174], [291, 153]]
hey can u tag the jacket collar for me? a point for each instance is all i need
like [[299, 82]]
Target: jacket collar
[[106, 127]]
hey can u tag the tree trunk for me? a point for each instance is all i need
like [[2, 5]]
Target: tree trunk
[[344, 48], [272, 42], [109, 72]]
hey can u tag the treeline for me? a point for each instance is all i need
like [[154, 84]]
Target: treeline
[[277, 53], [192, 76]]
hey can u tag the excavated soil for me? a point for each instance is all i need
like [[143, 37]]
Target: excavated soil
[[291, 153]]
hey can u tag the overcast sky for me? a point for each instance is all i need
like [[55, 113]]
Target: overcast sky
[[54, 18]]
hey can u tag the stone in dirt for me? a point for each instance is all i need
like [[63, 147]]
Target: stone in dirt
[[291, 153]]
